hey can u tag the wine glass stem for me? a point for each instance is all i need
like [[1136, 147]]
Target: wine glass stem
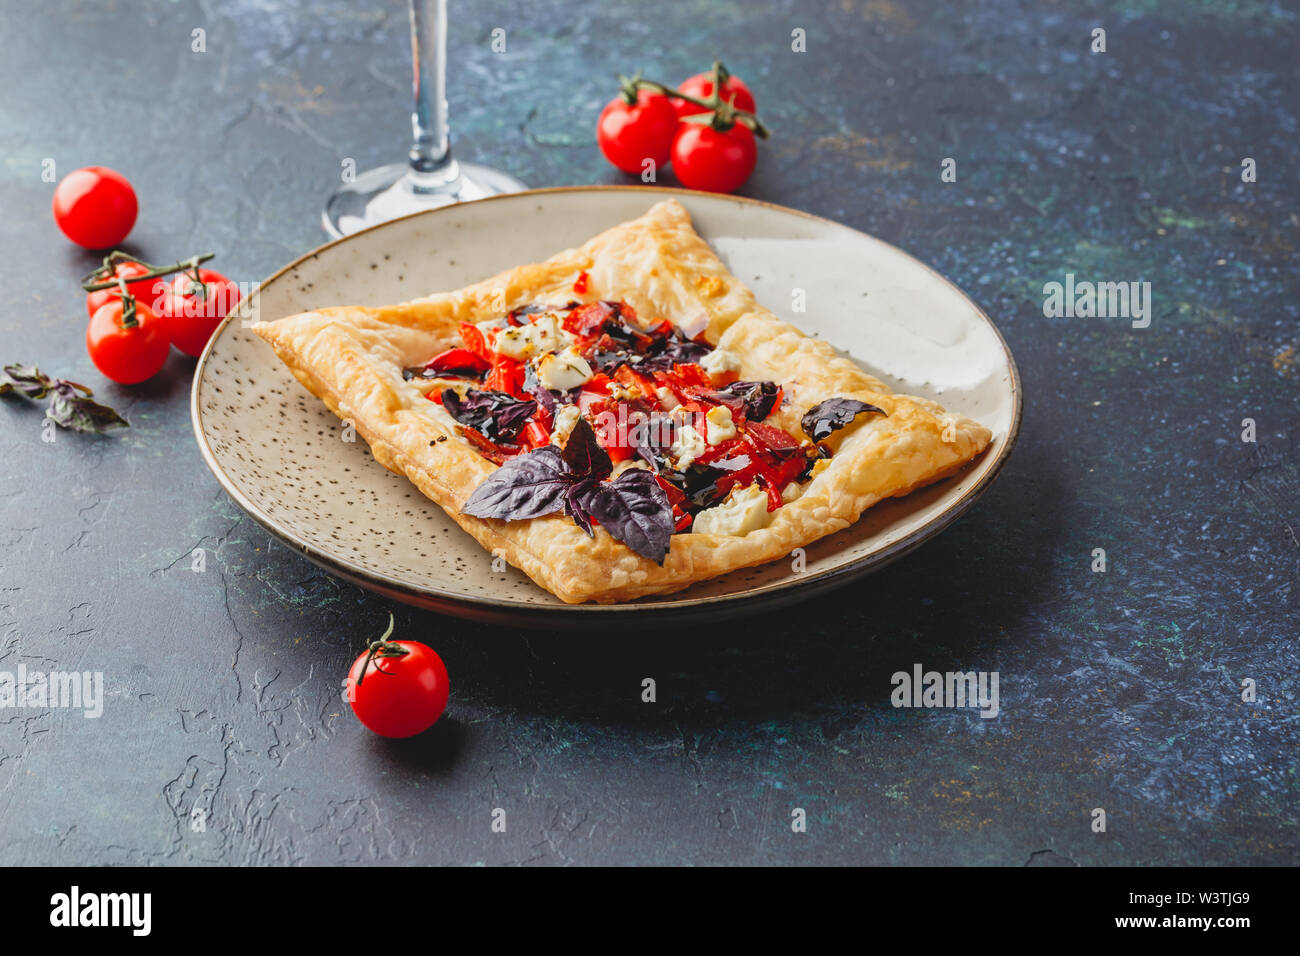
[[431, 143]]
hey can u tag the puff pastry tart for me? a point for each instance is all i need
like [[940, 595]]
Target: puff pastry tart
[[624, 418]]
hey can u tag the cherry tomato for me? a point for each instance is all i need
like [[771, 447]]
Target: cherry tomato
[[628, 135], [142, 290], [714, 161], [399, 696], [700, 86], [95, 207], [127, 354], [193, 310]]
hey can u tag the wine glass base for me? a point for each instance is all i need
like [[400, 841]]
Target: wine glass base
[[389, 192]]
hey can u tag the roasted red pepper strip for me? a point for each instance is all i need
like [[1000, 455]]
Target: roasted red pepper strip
[[628, 377], [588, 319], [497, 454], [473, 338], [459, 362], [773, 494], [507, 376]]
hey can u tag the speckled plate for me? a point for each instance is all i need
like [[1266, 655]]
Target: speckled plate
[[277, 450]]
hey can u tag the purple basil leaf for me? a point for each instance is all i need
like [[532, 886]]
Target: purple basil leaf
[[497, 415], [833, 414], [649, 441], [527, 486], [635, 510], [662, 358], [71, 410], [759, 398], [604, 360], [573, 506], [583, 454], [548, 399]]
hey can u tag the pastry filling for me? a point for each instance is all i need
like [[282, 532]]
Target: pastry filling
[[622, 423]]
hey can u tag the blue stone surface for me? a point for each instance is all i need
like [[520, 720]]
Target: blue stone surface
[[1120, 690]]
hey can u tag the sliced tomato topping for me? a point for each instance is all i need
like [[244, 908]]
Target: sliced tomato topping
[[582, 283]]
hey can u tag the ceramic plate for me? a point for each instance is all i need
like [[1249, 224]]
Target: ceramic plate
[[277, 450]]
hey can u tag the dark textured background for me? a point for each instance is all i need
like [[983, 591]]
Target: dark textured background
[[1119, 690]]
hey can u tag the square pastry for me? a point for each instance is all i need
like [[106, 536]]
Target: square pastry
[[624, 418]]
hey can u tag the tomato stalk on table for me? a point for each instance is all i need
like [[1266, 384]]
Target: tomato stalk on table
[[181, 302]]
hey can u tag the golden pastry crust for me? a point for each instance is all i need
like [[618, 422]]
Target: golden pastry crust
[[352, 358]]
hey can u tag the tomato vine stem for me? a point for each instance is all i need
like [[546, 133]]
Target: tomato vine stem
[[381, 648], [89, 283]]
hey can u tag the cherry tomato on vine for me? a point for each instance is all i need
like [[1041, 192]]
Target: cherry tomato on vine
[[713, 160], [399, 689], [142, 290], [700, 86], [95, 207], [191, 310], [631, 133], [127, 341]]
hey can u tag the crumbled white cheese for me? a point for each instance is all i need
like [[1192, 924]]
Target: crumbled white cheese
[[515, 343], [688, 444], [566, 417], [628, 465], [821, 465], [562, 371], [548, 334], [791, 492], [745, 510], [720, 424], [666, 397], [543, 334], [719, 361]]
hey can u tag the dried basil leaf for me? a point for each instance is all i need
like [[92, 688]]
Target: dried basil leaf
[[833, 414], [70, 404], [79, 413], [29, 380]]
